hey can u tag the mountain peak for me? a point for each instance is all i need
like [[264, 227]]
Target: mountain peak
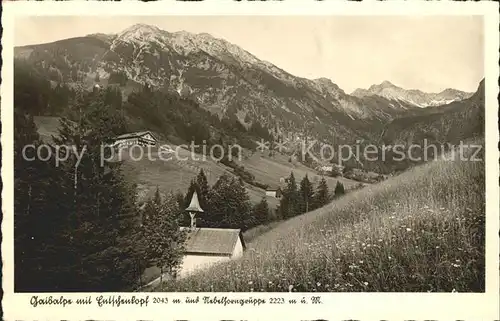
[[383, 85], [141, 27], [139, 31], [415, 97], [323, 80]]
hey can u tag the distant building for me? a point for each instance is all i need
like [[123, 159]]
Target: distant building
[[145, 138], [207, 246], [326, 168], [274, 192]]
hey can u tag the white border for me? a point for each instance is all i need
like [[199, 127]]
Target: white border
[[361, 306]]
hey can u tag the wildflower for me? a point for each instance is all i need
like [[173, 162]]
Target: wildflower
[[318, 284], [365, 283], [455, 265], [361, 261], [408, 229], [250, 282]]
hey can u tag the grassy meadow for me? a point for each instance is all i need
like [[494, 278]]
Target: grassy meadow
[[175, 175], [422, 231]]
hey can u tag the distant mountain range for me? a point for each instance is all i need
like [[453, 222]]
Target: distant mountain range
[[229, 81], [413, 96]]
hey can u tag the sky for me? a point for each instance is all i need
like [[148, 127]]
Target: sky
[[430, 53]]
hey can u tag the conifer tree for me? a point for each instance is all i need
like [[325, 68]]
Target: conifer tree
[[180, 200], [289, 205], [161, 237], [260, 212], [203, 190], [242, 217], [229, 204], [220, 202], [306, 195], [37, 220], [322, 195], [157, 196], [339, 189], [83, 214]]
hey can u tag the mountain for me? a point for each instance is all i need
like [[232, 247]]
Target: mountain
[[220, 76], [415, 97], [227, 81], [455, 122]]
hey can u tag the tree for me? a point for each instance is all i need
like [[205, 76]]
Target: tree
[[243, 215], [180, 200], [322, 195], [289, 205], [339, 189], [113, 97], [157, 196], [164, 242], [33, 195], [74, 221], [203, 190], [260, 212], [306, 195], [100, 202], [229, 204]]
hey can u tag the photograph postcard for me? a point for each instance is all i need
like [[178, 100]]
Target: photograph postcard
[[232, 160]]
